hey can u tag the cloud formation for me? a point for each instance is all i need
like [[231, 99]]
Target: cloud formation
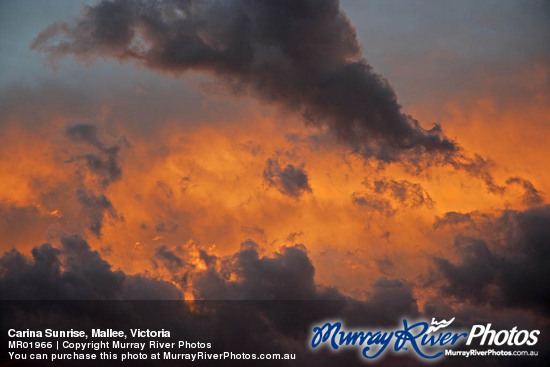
[[95, 208], [301, 55], [407, 193], [291, 181], [103, 164], [507, 265], [531, 195], [73, 272]]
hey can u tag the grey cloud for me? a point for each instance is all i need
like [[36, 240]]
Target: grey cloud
[[472, 220], [105, 163], [291, 181], [76, 272], [531, 196], [302, 55], [507, 265], [453, 219], [289, 275], [85, 133], [73, 271], [169, 258], [95, 207], [405, 192], [139, 287], [478, 167], [373, 203]]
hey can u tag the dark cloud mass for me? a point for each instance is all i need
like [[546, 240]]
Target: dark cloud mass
[[300, 54], [507, 267], [73, 271], [291, 181], [95, 208], [104, 164]]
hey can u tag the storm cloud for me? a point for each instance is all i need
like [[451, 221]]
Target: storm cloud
[[74, 271], [507, 265], [301, 55]]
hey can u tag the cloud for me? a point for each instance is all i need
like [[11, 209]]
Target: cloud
[[85, 133], [169, 258], [478, 167], [95, 207], [104, 164], [73, 271], [506, 266], [453, 219], [300, 55], [290, 275], [531, 196], [373, 203], [291, 181], [406, 193]]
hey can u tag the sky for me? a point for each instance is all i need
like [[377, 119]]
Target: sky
[[375, 150]]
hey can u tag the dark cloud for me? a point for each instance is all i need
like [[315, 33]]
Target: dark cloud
[[384, 191], [406, 193], [291, 181], [209, 260], [95, 207], [373, 203], [472, 220], [531, 196], [169, 258], [73, 271], [106, 167], [84, 133], [289, 275], [478, 167], [453, 219], [302, 55], [506, 266], [139, 287], [105, 163]]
